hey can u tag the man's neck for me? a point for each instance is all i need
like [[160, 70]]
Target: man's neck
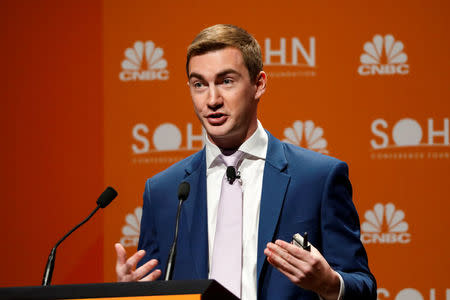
[[228, 144]]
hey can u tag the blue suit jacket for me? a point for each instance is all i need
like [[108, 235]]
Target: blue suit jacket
[[302, 191]]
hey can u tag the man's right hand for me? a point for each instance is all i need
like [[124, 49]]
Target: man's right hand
[[126, 268]]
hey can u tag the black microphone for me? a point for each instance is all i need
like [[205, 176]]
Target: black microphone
[[105, 198], [183, 192], [232, 175]]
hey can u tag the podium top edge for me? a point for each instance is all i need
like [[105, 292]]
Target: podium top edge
[[209, 288]]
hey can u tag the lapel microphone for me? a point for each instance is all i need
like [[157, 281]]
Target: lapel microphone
[[232, 175], [183, 193]]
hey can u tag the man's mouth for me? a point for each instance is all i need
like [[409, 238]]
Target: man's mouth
[[215, 115], [217, 118]]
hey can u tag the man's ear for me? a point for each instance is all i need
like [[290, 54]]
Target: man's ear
[[261, 82]]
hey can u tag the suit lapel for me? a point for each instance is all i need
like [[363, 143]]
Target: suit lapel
[[275, 184], [195, 214]]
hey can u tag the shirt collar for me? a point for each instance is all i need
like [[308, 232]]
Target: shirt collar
[[255, 146]]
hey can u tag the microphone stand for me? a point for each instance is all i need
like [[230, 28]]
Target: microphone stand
[[173, 249], [183, 192]]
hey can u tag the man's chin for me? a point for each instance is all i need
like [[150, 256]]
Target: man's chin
[[217, 131], [217, 135]]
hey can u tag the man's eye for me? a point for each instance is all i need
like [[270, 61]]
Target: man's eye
[[198, 84], [228, 81]]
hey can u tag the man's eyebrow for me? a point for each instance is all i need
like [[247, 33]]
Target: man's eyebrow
[[228, 71], [196, 75], [220, 74]]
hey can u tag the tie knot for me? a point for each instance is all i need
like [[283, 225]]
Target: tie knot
[[232, 159]]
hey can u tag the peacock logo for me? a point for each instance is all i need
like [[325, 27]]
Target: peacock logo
[[307, 135], [383, 56], [144, 62], [385, 224], [131, 230]]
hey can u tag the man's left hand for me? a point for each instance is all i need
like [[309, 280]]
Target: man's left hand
[[307, 269]]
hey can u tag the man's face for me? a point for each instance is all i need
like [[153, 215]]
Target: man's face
[[225, 99]]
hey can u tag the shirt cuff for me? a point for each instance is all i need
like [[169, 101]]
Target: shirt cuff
[[341, 288]]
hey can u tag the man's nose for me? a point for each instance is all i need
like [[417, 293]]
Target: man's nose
[[215, 98]]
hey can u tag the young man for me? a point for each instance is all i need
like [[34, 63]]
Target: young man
[[281, 190]]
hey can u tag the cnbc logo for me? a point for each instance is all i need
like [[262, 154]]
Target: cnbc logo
[[383, 56], [385, 225], [131, 229], [144, 62], [307, 135]]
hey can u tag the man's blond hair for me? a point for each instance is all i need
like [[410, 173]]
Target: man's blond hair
[[221, 36]]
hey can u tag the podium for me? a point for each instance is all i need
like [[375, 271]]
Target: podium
[[156, 290]]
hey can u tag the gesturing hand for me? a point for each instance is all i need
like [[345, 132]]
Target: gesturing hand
[[126, 268], [308, 270]]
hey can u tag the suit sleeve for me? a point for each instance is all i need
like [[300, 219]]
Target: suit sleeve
[[148, 233], [342, 247]]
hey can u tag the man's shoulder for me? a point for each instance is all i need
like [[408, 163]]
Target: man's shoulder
[[178, 170], [309, 155], [296, 155]]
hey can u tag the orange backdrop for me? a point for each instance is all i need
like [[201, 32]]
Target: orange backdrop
[[51, 165], [364, 82]]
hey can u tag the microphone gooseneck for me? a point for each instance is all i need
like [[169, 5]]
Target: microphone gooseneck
[[105, 198], [183, 193]]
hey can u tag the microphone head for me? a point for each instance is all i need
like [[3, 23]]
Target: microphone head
[[183, 190], [106, 197]]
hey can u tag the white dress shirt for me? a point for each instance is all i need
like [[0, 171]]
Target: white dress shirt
[[251, 172]]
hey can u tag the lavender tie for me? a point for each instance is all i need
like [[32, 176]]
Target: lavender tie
[[226, 265]]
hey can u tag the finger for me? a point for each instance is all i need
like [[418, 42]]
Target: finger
[[145, 268], [152, 276], [286, 245], [134, 259], [283, 253], [294, 275], [296, 251], [295, 279], [303, 256], [298, 264], [307, 258], [281, 259], [121, 254]]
